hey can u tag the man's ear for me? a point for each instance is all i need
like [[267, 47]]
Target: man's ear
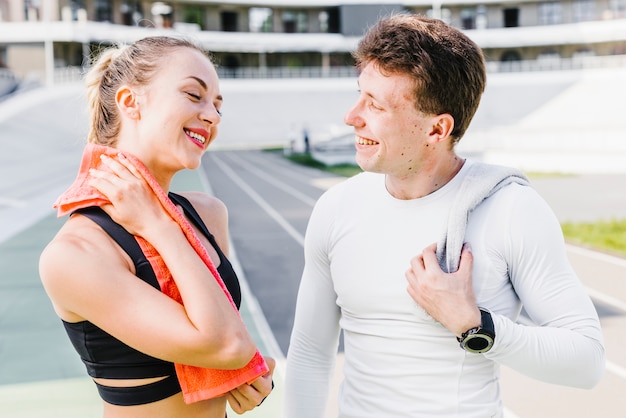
[[442, 127], [127, 103]]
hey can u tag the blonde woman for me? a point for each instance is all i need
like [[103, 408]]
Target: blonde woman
[[154, 104]]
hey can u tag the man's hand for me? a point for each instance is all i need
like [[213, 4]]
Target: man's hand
[[447, 297], [247, 397]]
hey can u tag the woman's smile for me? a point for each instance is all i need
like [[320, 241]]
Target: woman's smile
[[197, 136]]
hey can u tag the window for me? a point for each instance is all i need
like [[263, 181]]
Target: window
[[132, 13], [550, 13], [511, 18], [618, 8], [260, 19], [468, 19], [31, 9], [229, 21], [584, 10], [104, 11], [323, 18], [194, 14], [295, 21], [481, 16], [333, 20], [75, 6], [510, 56], [443, 14]]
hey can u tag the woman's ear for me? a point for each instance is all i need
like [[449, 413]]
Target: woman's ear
[[127, 103], [442, 127]]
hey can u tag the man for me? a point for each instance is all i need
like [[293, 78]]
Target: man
[[427, 320]]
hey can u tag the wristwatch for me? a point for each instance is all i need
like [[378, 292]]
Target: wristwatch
[[479, 339]]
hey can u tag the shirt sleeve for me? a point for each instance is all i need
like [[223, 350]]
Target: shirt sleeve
[[315, 334], [564, 345]]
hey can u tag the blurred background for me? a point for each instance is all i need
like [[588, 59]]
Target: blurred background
[[553, 107], [556, 68]]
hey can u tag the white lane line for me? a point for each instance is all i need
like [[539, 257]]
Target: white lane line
[[14, 203], [615, 369], [322, 183], [606, 299], [299, 238], [607, 258], [602, 297], [509, 414], [256, 313], [280, 166], [275, 182]]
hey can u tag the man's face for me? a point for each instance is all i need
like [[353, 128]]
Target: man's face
[[391, 134]]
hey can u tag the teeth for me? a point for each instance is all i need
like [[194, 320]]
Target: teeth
[[363, 141], [196, 136]]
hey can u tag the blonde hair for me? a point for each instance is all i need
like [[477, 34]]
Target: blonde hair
[[133, 65]]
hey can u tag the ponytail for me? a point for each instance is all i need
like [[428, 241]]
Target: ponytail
[[133, 65], [101, 88]]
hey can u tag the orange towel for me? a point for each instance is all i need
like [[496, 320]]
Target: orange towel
[[197, 383]]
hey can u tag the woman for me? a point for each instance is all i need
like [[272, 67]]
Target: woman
[[158, 102]]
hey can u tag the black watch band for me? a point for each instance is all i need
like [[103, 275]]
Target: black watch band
[[479, 339]]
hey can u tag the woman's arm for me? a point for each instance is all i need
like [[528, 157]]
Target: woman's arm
[[88, 276], [215, 216]]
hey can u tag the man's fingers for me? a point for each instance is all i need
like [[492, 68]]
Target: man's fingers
[[467, 259], [430, 257]]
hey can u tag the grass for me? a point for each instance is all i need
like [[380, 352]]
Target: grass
[[344, 170], [607, 236]]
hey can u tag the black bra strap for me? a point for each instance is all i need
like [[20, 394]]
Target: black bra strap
[[191, 213], [125, 240], [140, 395]]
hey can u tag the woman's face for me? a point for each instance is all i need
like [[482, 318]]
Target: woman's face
[[179, 112]]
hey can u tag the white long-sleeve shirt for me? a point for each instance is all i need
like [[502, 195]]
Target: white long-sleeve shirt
[[399, 362]]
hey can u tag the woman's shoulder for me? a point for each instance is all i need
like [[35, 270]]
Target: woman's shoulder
[[213, 212], [80, 238], [210, 208], [205, 202], [77, 257]]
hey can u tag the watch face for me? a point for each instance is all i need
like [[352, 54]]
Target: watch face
[[477, 343], [479, 339]]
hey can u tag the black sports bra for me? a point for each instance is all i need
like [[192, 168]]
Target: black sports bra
[[105, 356]]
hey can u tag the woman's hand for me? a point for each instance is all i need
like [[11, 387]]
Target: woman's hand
[[247, 397], [133, 203]]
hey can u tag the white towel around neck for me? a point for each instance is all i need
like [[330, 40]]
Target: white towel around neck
[[481, 181]]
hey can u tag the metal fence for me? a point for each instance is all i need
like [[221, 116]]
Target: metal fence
[[73, 74], [287, 72], [558, 64]]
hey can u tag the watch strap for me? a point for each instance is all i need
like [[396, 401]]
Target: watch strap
[[479, 339]]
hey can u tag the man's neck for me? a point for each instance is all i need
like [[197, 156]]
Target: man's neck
[[428, 180]]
